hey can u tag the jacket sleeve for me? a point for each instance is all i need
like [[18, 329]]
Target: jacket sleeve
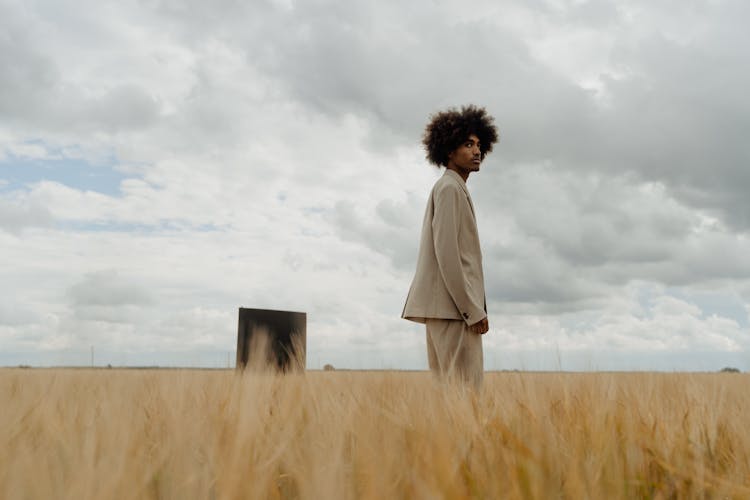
[[450, 201]]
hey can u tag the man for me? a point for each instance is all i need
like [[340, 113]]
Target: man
[[447, 293]]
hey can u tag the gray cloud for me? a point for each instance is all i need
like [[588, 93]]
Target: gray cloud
[[17, 315], [677, 113], [38, 92], [390, 231], [108, 288], [566, 242], [681, 118], [294, 128], [18, 214]]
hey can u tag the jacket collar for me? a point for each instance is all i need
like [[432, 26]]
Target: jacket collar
[[450, 173]]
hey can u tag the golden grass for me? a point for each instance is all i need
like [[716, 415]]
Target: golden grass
[[101, 434]]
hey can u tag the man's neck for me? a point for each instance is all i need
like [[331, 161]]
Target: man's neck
[[464, 173]]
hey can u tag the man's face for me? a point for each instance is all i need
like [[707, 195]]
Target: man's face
[[468, 155]]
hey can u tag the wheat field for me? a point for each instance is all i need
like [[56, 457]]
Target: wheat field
[[193, 434]]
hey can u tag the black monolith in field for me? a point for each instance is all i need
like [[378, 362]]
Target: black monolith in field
[[268, 339]]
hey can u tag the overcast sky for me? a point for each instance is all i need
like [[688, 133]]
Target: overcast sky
[[164, 162]]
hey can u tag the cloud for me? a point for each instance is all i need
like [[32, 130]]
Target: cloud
[[672, 92], [38, 90], [666, 324], [107, 288], [389, 230], [565, 241], [269, 157], [15, 314], [18, 213]]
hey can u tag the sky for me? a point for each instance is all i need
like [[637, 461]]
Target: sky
[[165, 162]]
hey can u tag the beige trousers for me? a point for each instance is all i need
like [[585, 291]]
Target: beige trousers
[[453, 352]]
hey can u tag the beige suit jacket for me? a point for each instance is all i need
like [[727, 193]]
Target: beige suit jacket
[[449, 282]]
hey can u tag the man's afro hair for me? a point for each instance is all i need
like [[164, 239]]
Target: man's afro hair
[[449, 129]]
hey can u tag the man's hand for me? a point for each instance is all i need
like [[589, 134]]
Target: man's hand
[[480, 327]]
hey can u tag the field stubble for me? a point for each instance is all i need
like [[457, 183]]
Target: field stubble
[[183, 434]]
